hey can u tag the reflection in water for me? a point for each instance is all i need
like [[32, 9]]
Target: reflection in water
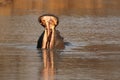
[[93, 55], [49, 64], [19, 64]]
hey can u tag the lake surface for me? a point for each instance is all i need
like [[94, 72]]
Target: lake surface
[[91, 27]]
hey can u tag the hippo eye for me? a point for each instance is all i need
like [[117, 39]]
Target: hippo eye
[[52, 22], [43, 22]]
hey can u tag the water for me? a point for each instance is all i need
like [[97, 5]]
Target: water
[[91, 27]]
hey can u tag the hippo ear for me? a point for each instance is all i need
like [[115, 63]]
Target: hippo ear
[[39, 20]]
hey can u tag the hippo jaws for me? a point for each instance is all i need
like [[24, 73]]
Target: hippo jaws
[[50, 38]]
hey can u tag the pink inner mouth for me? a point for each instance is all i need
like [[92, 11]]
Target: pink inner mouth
[[48, 38]]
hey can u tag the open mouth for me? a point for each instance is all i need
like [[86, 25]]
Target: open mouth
[[49, 36], [49, 22]]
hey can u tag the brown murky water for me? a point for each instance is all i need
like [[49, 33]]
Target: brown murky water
[[92, 27]]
